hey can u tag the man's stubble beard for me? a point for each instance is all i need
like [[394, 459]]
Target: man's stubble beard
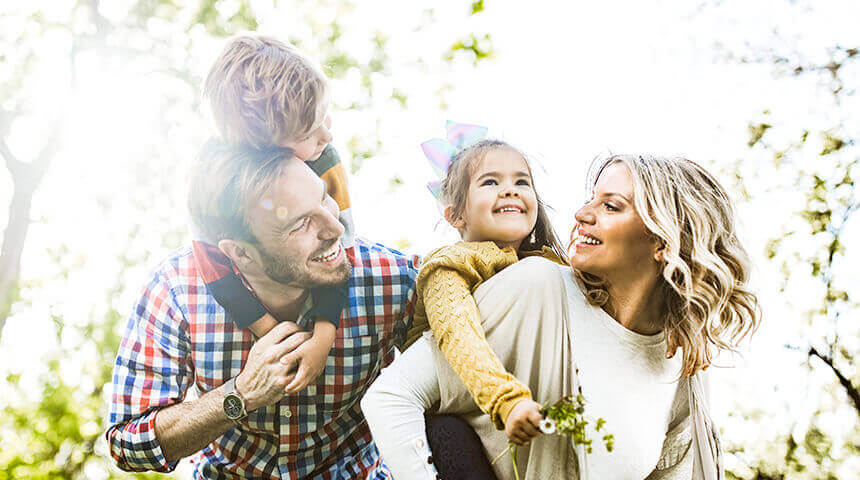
[[285, 270]]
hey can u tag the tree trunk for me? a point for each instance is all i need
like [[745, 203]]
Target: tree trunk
[[26, 178]]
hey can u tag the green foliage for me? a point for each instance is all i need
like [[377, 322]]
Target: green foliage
[[810, 252], [478, 48], [477, 6], [757, 131], [569, 416]]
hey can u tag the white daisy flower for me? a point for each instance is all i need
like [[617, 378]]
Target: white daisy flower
[[547, 426]]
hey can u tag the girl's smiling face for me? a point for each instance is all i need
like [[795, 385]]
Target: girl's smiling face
[[501, 205], [610, 238]]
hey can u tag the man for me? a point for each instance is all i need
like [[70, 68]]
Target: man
[[271, 215]]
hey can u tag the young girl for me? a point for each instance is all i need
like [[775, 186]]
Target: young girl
[[489, 197]]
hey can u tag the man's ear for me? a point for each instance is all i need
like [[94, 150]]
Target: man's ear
[[241, 253], [455, 221]]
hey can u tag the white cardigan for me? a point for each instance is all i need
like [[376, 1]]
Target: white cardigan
[[525, 316]]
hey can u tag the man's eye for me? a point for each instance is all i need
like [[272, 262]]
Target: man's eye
[[301, 226], [489, 182]]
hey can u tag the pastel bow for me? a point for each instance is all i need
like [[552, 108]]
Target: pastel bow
[[440, 152]]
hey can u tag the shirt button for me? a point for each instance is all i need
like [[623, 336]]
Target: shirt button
[[288, 414]]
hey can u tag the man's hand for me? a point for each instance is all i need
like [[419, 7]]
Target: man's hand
[[522, 424], [264, 377], [311, 356]]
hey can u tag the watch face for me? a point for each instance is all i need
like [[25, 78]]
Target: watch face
[[233, 407]]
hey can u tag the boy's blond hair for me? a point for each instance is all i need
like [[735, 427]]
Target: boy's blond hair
[[263, 92]]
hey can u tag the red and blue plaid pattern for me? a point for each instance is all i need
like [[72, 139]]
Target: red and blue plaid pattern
[[178, 338]]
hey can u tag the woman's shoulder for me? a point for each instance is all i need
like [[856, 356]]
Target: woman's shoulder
[[529, 275]]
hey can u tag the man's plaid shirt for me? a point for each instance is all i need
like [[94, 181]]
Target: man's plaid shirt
[[177, 338]]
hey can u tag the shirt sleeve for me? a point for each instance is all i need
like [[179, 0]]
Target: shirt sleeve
[[446, 283], [152, 370], [329, 302]]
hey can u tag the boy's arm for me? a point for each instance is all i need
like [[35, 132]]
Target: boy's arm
[[311, 356], [329, 168], [456, 324], [243, 309]]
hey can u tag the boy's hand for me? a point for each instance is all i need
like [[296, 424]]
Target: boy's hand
[[523, 422], [311, 356]]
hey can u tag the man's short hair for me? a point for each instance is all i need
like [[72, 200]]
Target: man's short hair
[[225, 180], [263, 92]]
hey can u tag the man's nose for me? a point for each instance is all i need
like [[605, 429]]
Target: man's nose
[[332, 228]]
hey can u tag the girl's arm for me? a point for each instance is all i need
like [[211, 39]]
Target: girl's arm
[[394, 407], [456, 323]]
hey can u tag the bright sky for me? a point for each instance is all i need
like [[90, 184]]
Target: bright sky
[[570, 80]]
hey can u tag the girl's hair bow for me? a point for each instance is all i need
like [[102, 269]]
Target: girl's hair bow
[[441, 152]]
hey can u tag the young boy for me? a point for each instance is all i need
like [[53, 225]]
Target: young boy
[[265, 94]]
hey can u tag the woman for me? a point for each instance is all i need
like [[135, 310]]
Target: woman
[[656, 265]]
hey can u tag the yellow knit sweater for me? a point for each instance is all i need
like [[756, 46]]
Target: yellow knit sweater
[[444, 304]]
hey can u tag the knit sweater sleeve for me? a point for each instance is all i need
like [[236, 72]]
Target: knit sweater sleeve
[[445, 286]]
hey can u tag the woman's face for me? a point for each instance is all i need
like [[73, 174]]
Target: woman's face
[[610, 239]]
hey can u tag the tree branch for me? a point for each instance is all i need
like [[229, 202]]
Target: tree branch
[[852, 392]]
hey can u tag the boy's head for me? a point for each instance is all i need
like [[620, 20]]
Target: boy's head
[[263, 92]]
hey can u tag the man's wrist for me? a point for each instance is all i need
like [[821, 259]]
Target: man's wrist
[[244, 392]]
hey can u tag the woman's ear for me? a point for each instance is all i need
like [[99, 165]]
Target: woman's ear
[[455, 221], [659, 253]]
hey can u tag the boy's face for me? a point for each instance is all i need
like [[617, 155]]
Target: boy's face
[[310, 146]]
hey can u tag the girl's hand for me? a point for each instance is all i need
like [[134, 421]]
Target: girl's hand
[[311, 356], [522, 424]]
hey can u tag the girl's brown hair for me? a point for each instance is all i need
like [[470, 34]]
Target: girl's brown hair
[[455, 189]]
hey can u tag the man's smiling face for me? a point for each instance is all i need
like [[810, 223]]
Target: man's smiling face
[[298, 233]]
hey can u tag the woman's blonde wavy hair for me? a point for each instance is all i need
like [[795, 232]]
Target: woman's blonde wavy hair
[[706, 269]]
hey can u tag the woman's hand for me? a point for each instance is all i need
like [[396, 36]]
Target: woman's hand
[[522, 424]]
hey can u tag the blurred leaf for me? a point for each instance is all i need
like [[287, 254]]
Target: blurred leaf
[[756, 132], [831, 144], [478, 48]]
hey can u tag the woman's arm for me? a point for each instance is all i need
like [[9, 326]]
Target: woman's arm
[[394, 407]]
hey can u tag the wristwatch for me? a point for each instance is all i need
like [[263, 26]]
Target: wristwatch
[[234, 404]]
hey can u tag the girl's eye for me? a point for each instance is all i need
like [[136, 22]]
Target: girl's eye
[[610, 207], [489, 182], [523, 182]]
